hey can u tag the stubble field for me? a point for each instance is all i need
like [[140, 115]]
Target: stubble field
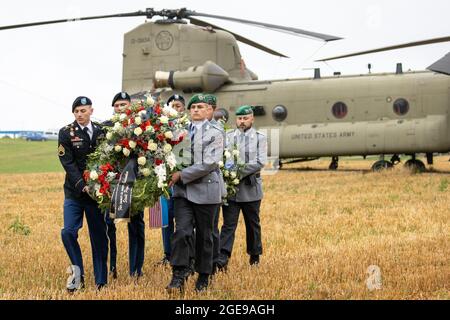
[[321, 231]]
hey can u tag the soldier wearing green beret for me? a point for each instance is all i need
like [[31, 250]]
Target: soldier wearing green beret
[[212, 102], [253, 152]]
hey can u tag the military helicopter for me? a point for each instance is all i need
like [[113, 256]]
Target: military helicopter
[[305, 118]]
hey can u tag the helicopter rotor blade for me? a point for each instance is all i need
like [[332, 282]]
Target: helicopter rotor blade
[[238, 37], [119, 15], [399, 46], [295, 31]]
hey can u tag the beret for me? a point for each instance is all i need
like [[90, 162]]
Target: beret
[[198, 98], [176, 97], [212, 99], [244, 110], [81, 101], [121, 96]]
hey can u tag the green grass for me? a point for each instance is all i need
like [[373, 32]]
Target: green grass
[[19, 156]]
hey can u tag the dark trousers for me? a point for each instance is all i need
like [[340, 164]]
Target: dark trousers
[[73, 221], [188, 215], [250, 211], [136, 243], [112, 241], [167, 232]]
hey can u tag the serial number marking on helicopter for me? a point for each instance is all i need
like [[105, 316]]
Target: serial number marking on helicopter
[[323, 135], [164, 40], [140, 40]]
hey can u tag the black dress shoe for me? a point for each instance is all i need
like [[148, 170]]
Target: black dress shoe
[[100, 286], [202, 282], [179, 276], [164, 261], [254, 260]]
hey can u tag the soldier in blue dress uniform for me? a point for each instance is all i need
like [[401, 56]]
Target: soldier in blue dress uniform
[[75, 142]]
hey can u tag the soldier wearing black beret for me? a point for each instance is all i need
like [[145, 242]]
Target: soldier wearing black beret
[[136, 226], [75, 142]]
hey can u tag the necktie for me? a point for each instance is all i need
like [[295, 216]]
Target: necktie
[[86, 130], [192, 135]]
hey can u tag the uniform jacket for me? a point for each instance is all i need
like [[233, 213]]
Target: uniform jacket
[[253, 152], [74, 145], [201, 181]]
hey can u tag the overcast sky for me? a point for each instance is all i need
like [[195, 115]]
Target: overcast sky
[[44, 68]]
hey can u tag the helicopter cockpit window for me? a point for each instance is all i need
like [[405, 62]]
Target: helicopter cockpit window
[[221, 113], [401, 106], [279, 113], [339, 110]]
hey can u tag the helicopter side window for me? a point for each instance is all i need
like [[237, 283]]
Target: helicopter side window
[[339, 110], [401, 106], [279, 113]]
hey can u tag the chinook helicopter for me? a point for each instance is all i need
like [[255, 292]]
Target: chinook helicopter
[[305, 118]]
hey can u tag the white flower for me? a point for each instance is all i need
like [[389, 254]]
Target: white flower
[[118, 148], [111, 176], [142, 113], [164, 120], [132, 144], [138, 120], [142, 161], [149, 129], [161, 174], [167, 148], [168, 134], [109, 135], [152, 146], [232, 174], [138, 131], [123, 116], [126, 152], [115, 117], [236, 181], [150, 101], [227, 154], [171, 160], [145, 172], [220, 164], [169, 111], [93, 175], [98, 193], [226, 173], [117, 126], [236, 153]]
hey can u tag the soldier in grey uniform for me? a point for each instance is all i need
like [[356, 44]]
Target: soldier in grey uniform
[[212, 102], [197, 194], [252, 151]]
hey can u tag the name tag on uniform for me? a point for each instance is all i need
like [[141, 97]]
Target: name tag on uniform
[[77, 143]]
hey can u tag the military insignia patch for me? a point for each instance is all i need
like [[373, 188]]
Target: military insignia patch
[[61, 150], [83, 101], [123, 95]]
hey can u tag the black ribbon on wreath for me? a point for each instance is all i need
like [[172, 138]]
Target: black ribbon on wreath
[[123, 192]]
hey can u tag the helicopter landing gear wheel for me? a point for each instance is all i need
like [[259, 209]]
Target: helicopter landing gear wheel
[[382, 165], [334, 163], [415, 165]]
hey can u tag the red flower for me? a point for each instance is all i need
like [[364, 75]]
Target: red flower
[[86, 174], [157, 110], [128, 112], [124, 143], [158, 162], [160, 137]]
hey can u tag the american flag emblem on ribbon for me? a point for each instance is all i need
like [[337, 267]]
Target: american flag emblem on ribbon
[[159, 214]]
